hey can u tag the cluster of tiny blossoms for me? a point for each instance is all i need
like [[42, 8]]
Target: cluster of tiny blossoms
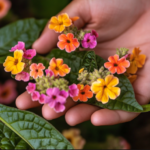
[[71, 38], [50, 87]]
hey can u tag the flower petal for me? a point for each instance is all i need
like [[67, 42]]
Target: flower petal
[[133, 68], [141, 60], [76, 42], [70, 48], [62, 37], [83, 97], [108, 65], [33, 66], [113, 92], [18, 54], [123, 62], [61, 45], [111, 81], [59, 28], [49, 91], [100, 93], [76, 98], [105, 97], [40, 66], [121, 69], [59, 107]]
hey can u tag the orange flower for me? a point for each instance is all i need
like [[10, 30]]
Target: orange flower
[[132, 78], [59, 24], [136, 61], [36, 70], [58, 68], [117, 65], [4, 7], [68, 42], [74, 18], [84, 93]]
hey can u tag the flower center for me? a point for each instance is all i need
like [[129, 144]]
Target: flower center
[[68, 41], [105, 86], [1, 6], [115, 65], [36, 70], [16, 62], [57, 68], [5, 93], [60, 23], [82, 92], [88, 40], [54, 97]]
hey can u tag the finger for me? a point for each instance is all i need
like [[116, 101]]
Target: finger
[[49, 38], [142, 93], [49, 113], [111, 117], [80, 113], [24, 102]]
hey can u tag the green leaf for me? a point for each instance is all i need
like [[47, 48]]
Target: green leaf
[[34, 130], [10, 140], [88, 60], [146, 108], [26, 30]]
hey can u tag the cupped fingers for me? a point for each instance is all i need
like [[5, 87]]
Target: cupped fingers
[[79, 114], [49, 113], [111, 117], [24, 102]]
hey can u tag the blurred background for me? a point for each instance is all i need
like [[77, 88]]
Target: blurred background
[[134, 134]]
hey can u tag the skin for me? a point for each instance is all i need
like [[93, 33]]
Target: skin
[[119, 24]]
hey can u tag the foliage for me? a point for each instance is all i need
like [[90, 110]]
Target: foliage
[[32, 129]]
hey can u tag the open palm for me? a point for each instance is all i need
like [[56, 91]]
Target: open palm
[[119, 24]]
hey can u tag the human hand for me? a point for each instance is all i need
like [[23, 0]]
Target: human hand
[[119, 24]]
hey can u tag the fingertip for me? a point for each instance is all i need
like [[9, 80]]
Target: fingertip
[[49, 113], [71, 119], [96, 119], [24, 102], [79, 114], [46, 41]]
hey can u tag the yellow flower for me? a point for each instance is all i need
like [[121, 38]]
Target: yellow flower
[[73, 136], [81, 70], [105, 89], [14, 64], [137, 60], [59, 24]]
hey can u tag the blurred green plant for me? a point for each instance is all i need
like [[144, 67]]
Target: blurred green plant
[[46, 8]]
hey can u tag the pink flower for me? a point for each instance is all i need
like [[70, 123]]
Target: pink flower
[[31, 87], [95, 33], [24, 76], [49, 72], [4, 7], [29, 54], [73, 90], [35, 96], [56, 99], [8, 92], [42, 98], [64, 94], [59, 107], [19, 46], [89, 41]]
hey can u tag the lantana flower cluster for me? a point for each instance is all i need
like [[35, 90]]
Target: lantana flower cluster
[[71, 38], [49, 85]]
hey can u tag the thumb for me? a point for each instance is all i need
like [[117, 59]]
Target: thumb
[[49, 38]]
